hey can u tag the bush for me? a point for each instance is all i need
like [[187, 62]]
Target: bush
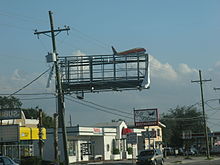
[[116, 151], [130, 150]]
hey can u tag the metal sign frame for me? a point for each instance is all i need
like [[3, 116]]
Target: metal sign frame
[[146, 117], [99, 73]]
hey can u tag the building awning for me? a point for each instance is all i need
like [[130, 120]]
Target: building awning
[[125, 131]]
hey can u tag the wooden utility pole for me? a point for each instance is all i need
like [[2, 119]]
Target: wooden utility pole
[[203, 110], [60, 95], [40, 127], [56, 155]]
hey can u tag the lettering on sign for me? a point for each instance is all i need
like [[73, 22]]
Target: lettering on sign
[[146, 117], [10, 114], [97, 130]]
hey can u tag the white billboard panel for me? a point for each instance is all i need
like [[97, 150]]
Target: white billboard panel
[[9, 133], [146, 117]]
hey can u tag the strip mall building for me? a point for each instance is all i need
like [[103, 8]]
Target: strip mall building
[[104, 141]]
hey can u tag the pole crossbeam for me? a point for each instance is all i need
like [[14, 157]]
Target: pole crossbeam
[[60, 95]]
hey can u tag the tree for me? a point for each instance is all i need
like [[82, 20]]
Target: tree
[[9, 102], [178, 120], [30, 113], [33, 114]]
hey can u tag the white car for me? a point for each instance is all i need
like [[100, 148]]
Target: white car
[[4, 160]]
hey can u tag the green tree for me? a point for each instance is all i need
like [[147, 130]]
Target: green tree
[[33, 114], [9, 102], [30, 113], [178, 120]]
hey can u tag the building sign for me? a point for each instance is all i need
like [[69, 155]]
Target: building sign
[[146, 117], [149, 134], [6, 114], [9, 133], [97, 130], [28, 133], [86, 148], [132, 138]]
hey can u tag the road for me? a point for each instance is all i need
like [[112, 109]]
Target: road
[[212, 162], [170, 161]]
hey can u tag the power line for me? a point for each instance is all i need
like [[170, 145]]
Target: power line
[[29, 83], [105, 107], [27, 94], [38, 98], [99, 109]]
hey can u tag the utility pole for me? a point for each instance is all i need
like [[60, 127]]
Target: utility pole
[[40, 127], [60, 95], [203, 110], [56, 155]]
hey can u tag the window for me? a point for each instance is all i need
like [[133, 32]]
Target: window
[[158, 132], [72, 151], [108, 148], [7, 161]]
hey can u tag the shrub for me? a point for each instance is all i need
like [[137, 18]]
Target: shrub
[[130, 150], [116, 151]]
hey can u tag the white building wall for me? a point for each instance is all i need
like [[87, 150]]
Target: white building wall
[[108, 146]]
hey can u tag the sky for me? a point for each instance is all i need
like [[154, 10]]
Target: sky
[[182, 37]]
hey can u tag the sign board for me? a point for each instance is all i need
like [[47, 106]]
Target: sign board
[[6, 114], [149, 134], [146, 117], [132, 138], [28, 133], [9, 133]]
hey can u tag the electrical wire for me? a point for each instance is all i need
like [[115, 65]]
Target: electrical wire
[[27, 94], [99, 109], [29, 83], [38, 98], [101, 106]]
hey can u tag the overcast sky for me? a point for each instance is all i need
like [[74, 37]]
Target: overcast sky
[[182, 37]]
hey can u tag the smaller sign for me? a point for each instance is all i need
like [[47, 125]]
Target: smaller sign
[[6, 114], [97, 130], [149, 134], [132, 138]]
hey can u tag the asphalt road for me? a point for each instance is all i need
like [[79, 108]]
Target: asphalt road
[[170, 161]]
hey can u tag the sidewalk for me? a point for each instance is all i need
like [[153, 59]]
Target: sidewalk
[[182, 159]]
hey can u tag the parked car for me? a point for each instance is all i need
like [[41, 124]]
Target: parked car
[[150, 157], [191, 151], [4, 160], [168, 151], [181, 151]]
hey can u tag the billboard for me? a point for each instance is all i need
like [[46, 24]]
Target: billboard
[[9, 133], [28, 133], [146, 117], [6, 114]]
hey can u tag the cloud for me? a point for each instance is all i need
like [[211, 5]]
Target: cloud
[[217, 64], [79, 53], [185, 69], [164, 71], [168, 72], [18, 75]]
